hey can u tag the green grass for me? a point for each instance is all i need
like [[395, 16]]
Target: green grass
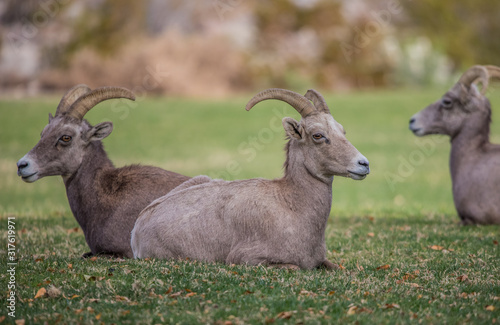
[[404, 257]]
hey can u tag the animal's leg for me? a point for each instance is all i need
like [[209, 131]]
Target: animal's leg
[[326, 264], [87, 255], [291, 267]]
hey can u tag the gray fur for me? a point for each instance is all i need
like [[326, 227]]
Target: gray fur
[[277, 222], [464, 114]]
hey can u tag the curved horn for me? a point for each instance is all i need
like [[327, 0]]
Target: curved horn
[[474, 73], [85, 103], [70, 97], [318, 100], [493, 71], [297, 101]]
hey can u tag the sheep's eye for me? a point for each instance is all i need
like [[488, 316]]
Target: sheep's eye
[[446, 102], [66, 138], [317, 136]]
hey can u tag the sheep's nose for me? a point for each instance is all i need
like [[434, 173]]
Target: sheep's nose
[[412, 120], [364, 163], [21, 164]]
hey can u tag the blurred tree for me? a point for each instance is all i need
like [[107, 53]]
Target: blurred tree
[[297, 39], [467, 31], [107, 26]]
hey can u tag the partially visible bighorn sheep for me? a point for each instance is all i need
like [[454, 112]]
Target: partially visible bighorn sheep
[[464, 114], [277, 222], [104, 200]]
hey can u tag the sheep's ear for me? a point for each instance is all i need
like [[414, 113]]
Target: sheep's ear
[[50, 117], [292, 128], [99, 132], [464, 94]]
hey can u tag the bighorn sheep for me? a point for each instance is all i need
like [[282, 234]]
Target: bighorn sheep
[[277, 222], [464, 114], [105, 200]]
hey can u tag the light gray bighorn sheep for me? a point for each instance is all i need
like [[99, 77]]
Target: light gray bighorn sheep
[[105, 200], [464, 114], [278, 222]]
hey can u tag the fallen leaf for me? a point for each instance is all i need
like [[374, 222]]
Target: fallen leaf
[[463, 278], [176, 294], [191, 294], [93, 300], [70, 266], [169, 290], [69, 231], [383, 267], [20, 321], [352, 310], [125, 312], [98, 316], [370, 234], [2, 318], [79, 311], [41, 292], [331, 293], [495, 242], [390, 306], [248, 292], [414, 285], [307, 293], [436, 247], [93, 259], [74, 296], [121, 298], [490, 307], [341, 267], [285, 315]]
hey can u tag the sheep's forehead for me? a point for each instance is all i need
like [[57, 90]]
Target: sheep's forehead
[[325, 123], [60, 125]]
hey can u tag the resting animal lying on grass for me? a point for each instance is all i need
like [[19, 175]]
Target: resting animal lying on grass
[[105, 200], [277, 222]]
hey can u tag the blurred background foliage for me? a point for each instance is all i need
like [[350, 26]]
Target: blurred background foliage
[[219, 47]]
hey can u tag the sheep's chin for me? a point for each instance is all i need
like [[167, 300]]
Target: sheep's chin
[[357, 177], [31, 178]]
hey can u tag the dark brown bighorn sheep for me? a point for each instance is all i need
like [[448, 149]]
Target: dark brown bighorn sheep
[[464, 113], [104, 200], [277, 222]]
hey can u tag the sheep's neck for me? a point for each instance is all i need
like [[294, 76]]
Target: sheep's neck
[[82, 187], [467, 145], [311, 196]]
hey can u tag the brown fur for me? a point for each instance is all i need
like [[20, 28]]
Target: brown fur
[[104, 200]]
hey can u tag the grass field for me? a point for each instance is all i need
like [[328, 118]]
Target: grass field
[[404, 257]]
